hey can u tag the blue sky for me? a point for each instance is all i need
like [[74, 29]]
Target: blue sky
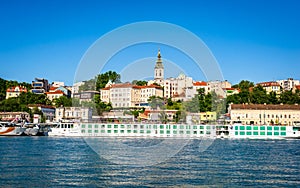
[[253, 40]]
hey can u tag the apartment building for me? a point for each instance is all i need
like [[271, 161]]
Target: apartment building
[[288, 84], [40, 86], [126, 95]]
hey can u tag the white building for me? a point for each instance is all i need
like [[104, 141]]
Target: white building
[[288, 84], [73, 114], [126, 95], [75, 88]]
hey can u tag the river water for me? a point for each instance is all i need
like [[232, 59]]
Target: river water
[[70, 162]]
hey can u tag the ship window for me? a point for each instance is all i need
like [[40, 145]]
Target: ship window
[[96, 131], [181, 127], [135, 131], [282, 128], [262, 128], [194, 127], [249, 133], [276, 128], [135, 126], [116, 126], [269, 133], [242, 133], [201, 127], [255, 128], [195, 132], [208, 127], [161, 132], [89, 131], [103, 126], [142, 131], [174, 132], [161, 127], [82, 131], [122, 126], [283, 133], [201, 132], [83, 126], [188, 132], [128, 131], [269, 128], [236, 133], [174, 126], [168, 131], [236, 128], [248, 128], [262, 133], [180, 132], [115, 131], [207, 132], [89, 126], [276, 133], [102, 131], [255, 133], [148, 131], [108, 131], [108, 126], [129, 126], [121, 131], [242, 127]]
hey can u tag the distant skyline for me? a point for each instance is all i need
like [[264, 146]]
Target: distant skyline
[[251, 40]]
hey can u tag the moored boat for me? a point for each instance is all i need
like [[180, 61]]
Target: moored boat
[[11, 129]]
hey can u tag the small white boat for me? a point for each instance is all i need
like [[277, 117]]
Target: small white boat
[[65, 129]]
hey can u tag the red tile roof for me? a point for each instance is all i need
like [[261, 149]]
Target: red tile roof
[[13, 89], [201, 83], [55, 92], [268, 84]]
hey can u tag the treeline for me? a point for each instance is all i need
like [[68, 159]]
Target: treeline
[[257, 95]]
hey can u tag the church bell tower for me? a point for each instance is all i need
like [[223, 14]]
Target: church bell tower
[[159, 69]]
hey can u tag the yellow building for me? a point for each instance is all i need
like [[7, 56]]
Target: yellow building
[[208, 116], [271, 86], [259, 114]]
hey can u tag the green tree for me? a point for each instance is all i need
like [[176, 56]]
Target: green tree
[[63, 101], [139, 82]]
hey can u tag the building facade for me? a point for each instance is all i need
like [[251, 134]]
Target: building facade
[[82, 114], [288, 84], [271, 87], [15, 91], [269, 114], [40, 86], [126, 95]]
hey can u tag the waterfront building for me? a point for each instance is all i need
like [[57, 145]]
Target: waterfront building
[[47, 110], [271, 87], [15, 91], [269, 114], [83, 114], [40, 86], [11, 116]]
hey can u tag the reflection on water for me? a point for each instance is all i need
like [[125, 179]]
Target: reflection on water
[[46, 161]]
